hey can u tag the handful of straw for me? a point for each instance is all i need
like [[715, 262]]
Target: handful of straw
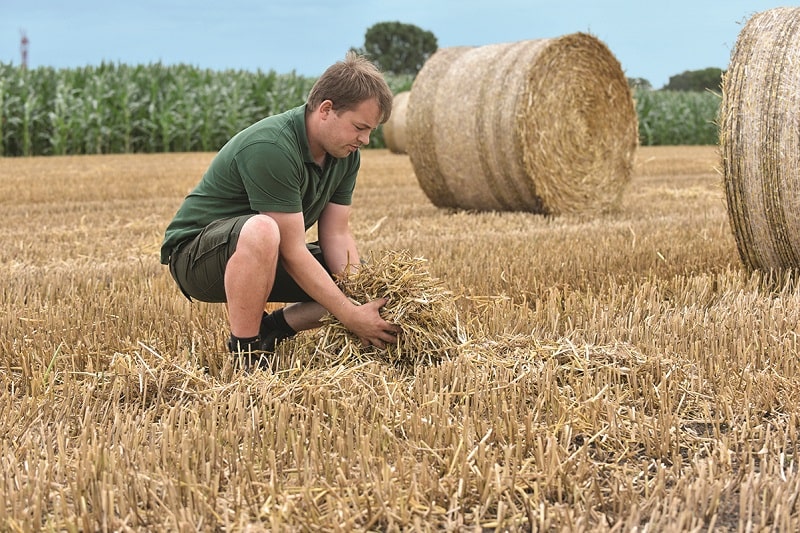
[[418, 303]]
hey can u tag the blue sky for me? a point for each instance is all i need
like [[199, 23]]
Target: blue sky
[[651, 39]]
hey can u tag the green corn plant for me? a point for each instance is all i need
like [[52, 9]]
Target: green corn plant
[[12, 120], [2, 111], [676, 117], [59, 119], [206, 105], [28, 113]]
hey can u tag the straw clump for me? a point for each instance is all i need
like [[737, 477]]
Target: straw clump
[[760, 140], [419, 303], [546, 126], [394, 130]]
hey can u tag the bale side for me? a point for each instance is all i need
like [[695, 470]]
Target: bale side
[[420, 122], [394, 130], [760, 140], [547, 126]]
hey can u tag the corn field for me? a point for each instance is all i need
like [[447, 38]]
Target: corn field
[[116, 108], [616, 372], [677, 117]]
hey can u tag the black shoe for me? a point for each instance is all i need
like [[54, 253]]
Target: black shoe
[[271, 339], [274, 329], [258, 352], [254, 355]]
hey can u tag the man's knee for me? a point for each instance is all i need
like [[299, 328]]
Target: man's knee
[[263, 225], [261, 235]]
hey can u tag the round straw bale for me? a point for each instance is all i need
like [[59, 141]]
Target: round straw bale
[[394, 131], [547, 126], [760, 140]]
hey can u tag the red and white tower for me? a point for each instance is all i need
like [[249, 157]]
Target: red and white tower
[[23, 48]]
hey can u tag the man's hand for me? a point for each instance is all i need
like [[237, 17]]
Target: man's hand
[[366, 323]]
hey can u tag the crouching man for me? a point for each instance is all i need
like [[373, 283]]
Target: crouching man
[[240, 236]]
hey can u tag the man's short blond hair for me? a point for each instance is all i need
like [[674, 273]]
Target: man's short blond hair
[[349, 82]]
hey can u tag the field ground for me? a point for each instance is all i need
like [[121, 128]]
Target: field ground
[[620, 371]]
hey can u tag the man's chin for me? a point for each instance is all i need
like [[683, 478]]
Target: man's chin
[[344, 153]]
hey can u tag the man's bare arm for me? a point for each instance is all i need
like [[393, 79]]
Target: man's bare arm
[[364, 320], [336, 239]]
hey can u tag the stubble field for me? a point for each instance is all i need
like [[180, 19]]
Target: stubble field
[[621, 371]]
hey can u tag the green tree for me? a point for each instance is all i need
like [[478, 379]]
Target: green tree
[[398, 48], [696, 80], [639, 83]]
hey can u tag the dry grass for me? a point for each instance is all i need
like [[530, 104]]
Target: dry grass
[[419, 303], [617, 372]]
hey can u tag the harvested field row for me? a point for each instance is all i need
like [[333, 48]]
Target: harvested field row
[[611, 372]]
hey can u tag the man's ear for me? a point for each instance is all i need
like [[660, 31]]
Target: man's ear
[[325, 108]]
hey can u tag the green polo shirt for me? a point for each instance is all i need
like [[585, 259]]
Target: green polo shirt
[[265, 167]]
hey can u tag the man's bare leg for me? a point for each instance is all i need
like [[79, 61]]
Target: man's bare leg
[[303, 315], [250, 274]]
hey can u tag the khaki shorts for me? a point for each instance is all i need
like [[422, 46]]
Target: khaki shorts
[[198, 265]]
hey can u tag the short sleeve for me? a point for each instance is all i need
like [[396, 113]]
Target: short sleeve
[[271, 176]]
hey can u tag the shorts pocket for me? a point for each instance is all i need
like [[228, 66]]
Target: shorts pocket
[[210, 240]]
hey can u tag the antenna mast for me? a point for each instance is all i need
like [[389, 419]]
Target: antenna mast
[[23, 48]]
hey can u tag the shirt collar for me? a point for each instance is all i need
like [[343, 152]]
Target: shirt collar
[[299, 123]]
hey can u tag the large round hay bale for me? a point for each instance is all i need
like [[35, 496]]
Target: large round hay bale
[[394, 130], [760, 140], [547, 126]]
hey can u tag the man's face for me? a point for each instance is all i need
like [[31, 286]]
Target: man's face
[[347, 131]]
